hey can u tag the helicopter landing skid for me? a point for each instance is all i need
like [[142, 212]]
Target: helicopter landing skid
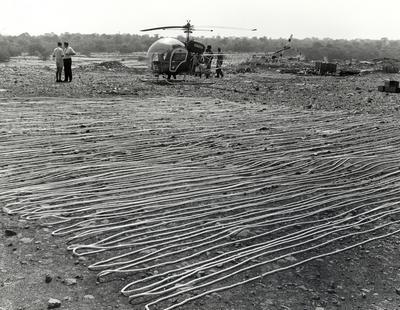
[[187, 82], [165, 81], [154, 81]]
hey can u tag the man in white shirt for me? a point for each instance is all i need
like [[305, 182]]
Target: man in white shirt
[[58, 55], [68, 52]]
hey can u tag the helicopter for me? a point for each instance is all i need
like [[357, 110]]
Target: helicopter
[[170, 57]]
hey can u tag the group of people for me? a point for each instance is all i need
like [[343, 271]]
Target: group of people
[[201, 63], [63, 59]]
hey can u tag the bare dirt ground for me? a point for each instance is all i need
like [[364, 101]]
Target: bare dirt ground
[[40, 118]]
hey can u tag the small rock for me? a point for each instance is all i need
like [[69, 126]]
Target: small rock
[[53, 303], [363, 295], [291, 259], [147, 251], [91, 297], [70, 281], [9, 233], [398, 291], [6, 210], [26, 240], [268, 302], [48, 278], [245, 233]]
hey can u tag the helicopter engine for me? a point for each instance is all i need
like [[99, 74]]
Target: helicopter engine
[[195, 47]]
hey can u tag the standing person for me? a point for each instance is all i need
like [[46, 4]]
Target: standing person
[[201, 66], [208, 57], [68, 52], [58, 55], [194, 62], [220, 60]]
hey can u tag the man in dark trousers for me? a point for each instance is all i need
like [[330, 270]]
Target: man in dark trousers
[[208, 57], [220, 60], [68, 52]]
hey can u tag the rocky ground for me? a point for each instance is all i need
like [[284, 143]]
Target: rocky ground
[[357, 94], [36, 267]]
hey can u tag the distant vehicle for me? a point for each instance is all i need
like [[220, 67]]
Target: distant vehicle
[[170, 57]]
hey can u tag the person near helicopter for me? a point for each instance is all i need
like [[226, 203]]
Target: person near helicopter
[[220, 60], [195, 61], [208, 57], [202, 66]]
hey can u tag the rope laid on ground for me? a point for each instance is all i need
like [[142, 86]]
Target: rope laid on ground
[[186, 199]]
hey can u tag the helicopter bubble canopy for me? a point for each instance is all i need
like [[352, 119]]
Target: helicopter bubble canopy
[[164, 45]]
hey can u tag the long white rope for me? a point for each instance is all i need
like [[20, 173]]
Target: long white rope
[[184, 199]]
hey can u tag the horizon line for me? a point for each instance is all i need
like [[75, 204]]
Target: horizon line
[[208, 37]]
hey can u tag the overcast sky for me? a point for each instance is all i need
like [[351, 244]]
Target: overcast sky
[[279, 18]]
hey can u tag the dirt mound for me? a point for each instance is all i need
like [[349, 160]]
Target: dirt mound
[[111, 65]]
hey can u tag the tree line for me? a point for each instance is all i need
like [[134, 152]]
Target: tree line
[[86, 44]]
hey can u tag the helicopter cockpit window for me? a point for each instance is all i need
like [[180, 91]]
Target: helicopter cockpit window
[[178, 58]]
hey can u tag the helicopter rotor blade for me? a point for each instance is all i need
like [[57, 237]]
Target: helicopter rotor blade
[[165, 27], [232, 28], [209, 30]]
